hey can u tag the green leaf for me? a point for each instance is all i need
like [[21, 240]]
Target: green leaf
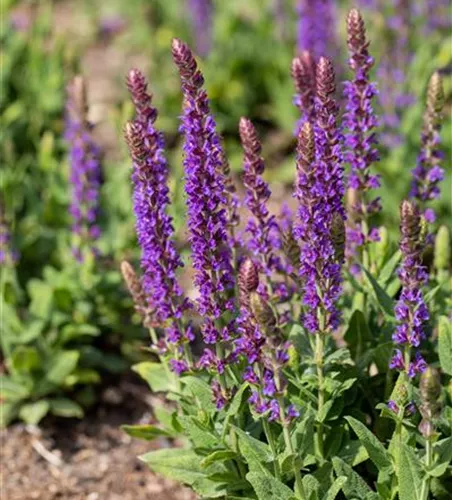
[[184, 466], [237, 400], [147, 432], [63, 407], [303, 435], [383, 299], [155, 375], [445, 344], [8, 412], [61, 366], [41, 294], [377, 452], [25, 359], [353, 453], [33, 413], [409, 474], [200, 435], [269, 488], [254, 451], [311, 487], [443, 449], [201, 391], [218, 456], [355, 487], [387, 272], [335, 488], [357, 334], [11, 390]]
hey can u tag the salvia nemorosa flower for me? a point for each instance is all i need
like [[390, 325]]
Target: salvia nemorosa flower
[[260, 342], [320, 190], [427, 175], [262, 226], [303, 76], [205, 188], [85, 175], [201, 14], [160, 260], [410, 311], [316, 27], [360, 138]]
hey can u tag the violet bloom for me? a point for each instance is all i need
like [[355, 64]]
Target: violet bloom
[[201, 13], [316, 27], [427, 175], [360, 139], [160, 260], [410, 311], [205, 188], [320, 190], [262, 227], [85, 174]]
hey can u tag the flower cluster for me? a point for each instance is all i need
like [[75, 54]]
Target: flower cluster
[[205, 188], [262, 227], [411, 311], [427, 175], [85, 170], [360, 139], [316, 26], [160, 260], [320, 191], [260, 342]]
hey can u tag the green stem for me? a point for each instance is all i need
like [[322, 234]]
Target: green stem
[[429, 457], [321, 394], [271, 442]]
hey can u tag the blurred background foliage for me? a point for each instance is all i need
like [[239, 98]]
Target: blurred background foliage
[[65, 326]]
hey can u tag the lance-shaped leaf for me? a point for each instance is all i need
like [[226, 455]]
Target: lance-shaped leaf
[[269, 488]]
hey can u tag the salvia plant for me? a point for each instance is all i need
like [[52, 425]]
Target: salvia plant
[[313, 359]]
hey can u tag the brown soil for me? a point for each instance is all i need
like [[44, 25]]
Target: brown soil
[[92, 459]]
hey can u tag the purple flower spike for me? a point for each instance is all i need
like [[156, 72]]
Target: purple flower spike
[[410, 311], [160, 260], [262, 227], [85, 174], [316, 27], [206, 195], [201, 13], [360, 139], [320, 225], [427, 175]]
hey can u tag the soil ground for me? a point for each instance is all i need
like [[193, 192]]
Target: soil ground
[[91, 459]]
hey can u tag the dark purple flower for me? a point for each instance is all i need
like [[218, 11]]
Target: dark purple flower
[[178, 366], [85, 174], [219, 395], [319, 189], [205, 191], [160, 260], [360, 139], [392, 405], [316, 27], [427, 175], [201, 13], [410, 311], [262, 227]]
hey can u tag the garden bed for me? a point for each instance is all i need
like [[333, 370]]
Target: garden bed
[[92, 459]]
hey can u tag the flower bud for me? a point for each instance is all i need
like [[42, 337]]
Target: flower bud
[[430, 392], [401, 394], [426, 428], [263, 313], [442, 249], [248, 281]]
